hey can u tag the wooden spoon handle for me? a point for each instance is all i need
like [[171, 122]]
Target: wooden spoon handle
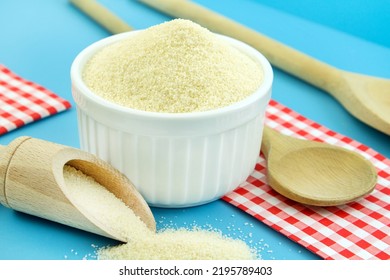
[[102, 15], [286, 58]]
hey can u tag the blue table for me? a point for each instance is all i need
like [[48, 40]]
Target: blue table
[[40, 39]]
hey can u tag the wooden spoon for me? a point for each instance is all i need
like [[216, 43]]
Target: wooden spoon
[[365, 97], [315, 173]]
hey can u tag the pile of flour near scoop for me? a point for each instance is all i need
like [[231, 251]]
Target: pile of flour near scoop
[[142, 243]]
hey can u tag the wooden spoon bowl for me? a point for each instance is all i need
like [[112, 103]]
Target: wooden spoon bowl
[[365, 97], [315, 173]]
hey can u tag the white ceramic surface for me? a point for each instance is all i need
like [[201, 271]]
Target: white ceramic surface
[[175, 160]]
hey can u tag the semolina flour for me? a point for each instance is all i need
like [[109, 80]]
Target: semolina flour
[[174, 67], [181, 244], [142, 243]]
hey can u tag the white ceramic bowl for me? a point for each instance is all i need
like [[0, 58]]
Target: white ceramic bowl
[[174, 160]]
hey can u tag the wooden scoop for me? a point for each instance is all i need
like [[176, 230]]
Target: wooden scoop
[[365, 97], [315, 173], [32, 181]]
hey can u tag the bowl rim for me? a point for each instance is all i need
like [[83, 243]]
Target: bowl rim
[[83, 57]]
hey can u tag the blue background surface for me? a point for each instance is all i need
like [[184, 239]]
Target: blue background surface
[[39, 40]]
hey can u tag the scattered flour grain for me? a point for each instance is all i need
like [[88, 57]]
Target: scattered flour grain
[[181, 244], [175, 67]]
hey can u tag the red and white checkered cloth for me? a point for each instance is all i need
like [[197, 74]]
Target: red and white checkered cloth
[[358, 230], [22, 101]]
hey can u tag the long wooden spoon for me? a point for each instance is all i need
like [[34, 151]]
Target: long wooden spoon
[[365, 97], [315, 173]]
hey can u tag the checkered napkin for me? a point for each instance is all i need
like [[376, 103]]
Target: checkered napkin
[[358, 230], [22, 101]]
